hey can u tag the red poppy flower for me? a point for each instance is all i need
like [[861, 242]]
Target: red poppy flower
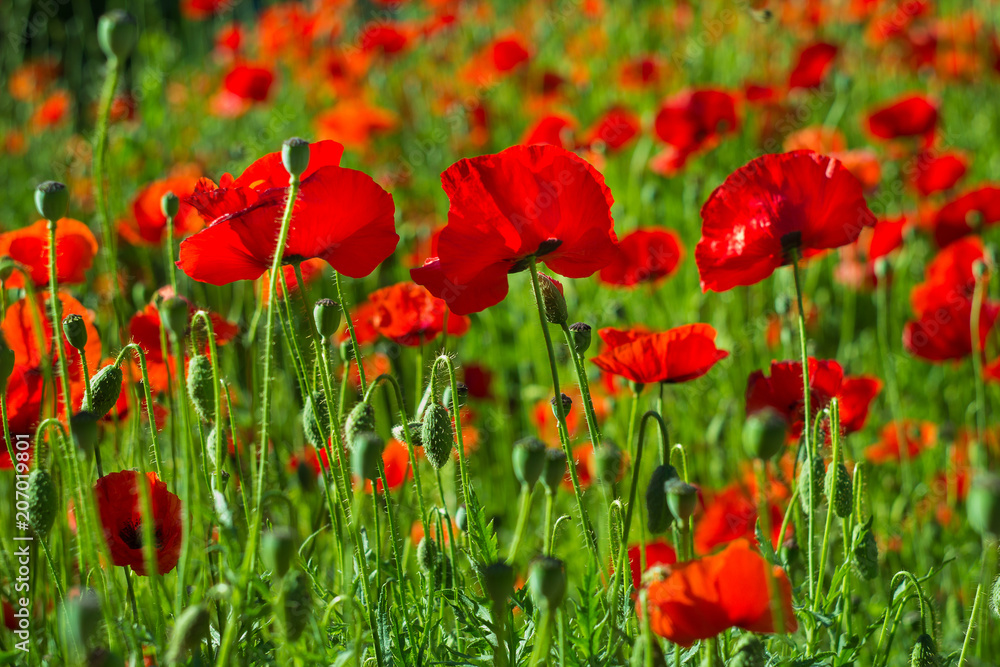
[[949, 277], [354, 122], [199, 10], [640, 72], [644, 256], [309, 458], [782, 391], [938, 172], [341, 216], [586, 467], [383, 37], [658, 552], [967, 214], [917, 435], [249, 83], [311, 270], [691, 121], [773, 207], [120, 508], [678, 355], [148, 225], [702, 598], [409, 315], [545, 420], [52, 112], [24, 407], [508, 53], [731, 514], [812, 65], [524, 204], [478, 379], [555, 129], [29, 246], [857, 261], [615, 129], [856, 395], [229, 37], [909, 116]]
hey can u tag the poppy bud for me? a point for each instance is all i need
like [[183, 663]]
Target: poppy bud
[[528, 459], [346, 351], [200, 387], [462, 519], [438, 435], [42, 501], [547, 582], [983, 504], [296, 602], [190, 630], [924, 653], [366, 453], [76, 331], [608, 460], [580, 333], [567, 405], [326, 317], [427, 555], [277, 547], [444, 573], [864, 554], [995, 597], [359, 420], [6, 363], [811, 482], [463, 393], [616, 525], [83, 426], [175, 314], [7, 266], [682, 498], [783, 304], [295, 156], [316, 418], [555, 469], [498, 580], [840, 490], [117, 33], [553, 301], [81, 616], [52, 200], [881, 267], [658, 514], [105, 387], [748, 651], [978, 268], [170, 205], [415, 433], [764, 434]]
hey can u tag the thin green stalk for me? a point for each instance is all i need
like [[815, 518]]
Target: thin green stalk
[[169, 245], [979, 458], [764, 514], [522, 521], [350, 329], [581, 376], [806, 407], [977, 603], [831, 500], [132, 347]]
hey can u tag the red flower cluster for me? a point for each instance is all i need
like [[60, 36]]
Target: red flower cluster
[[29, 246], [690, 122], [408, 314], [644, 256]]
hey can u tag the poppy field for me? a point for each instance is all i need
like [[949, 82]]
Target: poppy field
[[455, 332]]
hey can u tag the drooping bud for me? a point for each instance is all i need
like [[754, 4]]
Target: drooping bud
[[438, 435], [200, 387], [581, 334], [117, 33], [864, 554], [366, 454], [608, 462], [7, 266], [840, 490], [924, 652], [463, 394], [462, 518], [346, 351], [783, 304], [498, 580], [296, 603], [528, 459], [748, 651], [277, 547], [682, 498], [764, 434], [553, 301], [83, 426], [983, 504], [427, 555], [361, 419], [316, 419], [190, 630], [810, 481], [105, 387], [416, 431], [176, 315], [326, 317], [76, 331], [567, 405], [43, 501], [52, 200], [658, 515], [555, 469], [170, 205], [6, 363], [547, 582], [295, 156]]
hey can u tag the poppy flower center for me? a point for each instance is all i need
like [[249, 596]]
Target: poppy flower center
[[791, 243], [131, 535], [544, 248]]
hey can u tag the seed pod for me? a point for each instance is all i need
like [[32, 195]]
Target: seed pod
[[553, 301], [296, 602], [326, 317], [811, 482], [864, 554], [547, 582], [190, 630], [764, 434], [498, 580], [555, 469], [528, 459], [924, 652], [316, 419], [52, 200], [43, 500], [105, 387], [983, 504], [76, 331], [748, 651], [359, 420], [581, 335], [295, 155], [682, 498], [567, 405], [200, 387], [176, 316], [608, 462], [427, 555], [438, 435], [415, 428], [277, 547], [170, 205], [658, 515], [839, 490], [366, 455], [463, 394], [117, 33]]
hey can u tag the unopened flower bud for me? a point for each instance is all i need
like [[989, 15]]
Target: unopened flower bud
[[581, 334], [117, 33], [105, 388], [346, 351], [462, 519], [277, 548], [326, 317], [361, 419], [498, 580], [658, 515], [76, 331], [438, 435], [296, 604], [748, 651], [555, 469], [170, 205], [764, 434], [6, 363], [83, 426], [547, 582], [682, 498], [978, 269], [608, 462], [864, 553], [427, 555], [783, 304], [416, 431], [43, 501], [881, 267], [176, 315], [366, 454], [528, 459], [316, 419], [190, 630], [81, 616], [567, 405], [839, 490], [200, 387], [983, 504], [924, 652], [811, 479], [995, 597], [52, 200], [553, 301], [462, 391], [295, 155], [7, 266]]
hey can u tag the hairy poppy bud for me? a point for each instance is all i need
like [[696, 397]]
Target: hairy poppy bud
[[175, 314], [190, 630], [296, 603], [170, 205], [6, 363], [864, 554], [105, 387], [463, 393], [117, 33], [277, 547], [427, 555], [498, 580], [924, 652], [76, 331], [316, 419], [361, 419], [555, 469], [811, 482], [43, 500], [840, 490], [346, 351], [200, 387], [444, 575], [553, 301], [983, 504], [580, 334], [547, 582], [83, 426], [995, 597], [7, 266], [658, 515], [437, 435], [608, 460], [881, 267], [326, 317], [295, 155], [52, 200], [528, 459], [462, 518], [81, 616], [415, 429], [567, 405], [616, 526], [366, 454], [682, 498], [764, 434], [748, 651]]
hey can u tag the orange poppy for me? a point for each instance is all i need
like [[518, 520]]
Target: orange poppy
[[29, 246]]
